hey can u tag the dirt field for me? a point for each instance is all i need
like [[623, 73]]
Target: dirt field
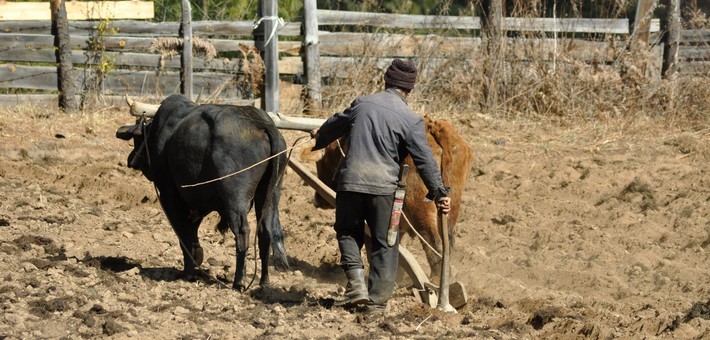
[[600, 230]]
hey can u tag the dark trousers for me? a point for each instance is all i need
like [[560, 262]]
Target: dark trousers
[[352, 210]]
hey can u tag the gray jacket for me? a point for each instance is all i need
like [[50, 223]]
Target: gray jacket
[[383, 130]]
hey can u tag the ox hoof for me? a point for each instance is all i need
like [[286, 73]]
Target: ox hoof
[[195, 275], [188, 275], [197, 255], [188, 271], [240, 287]]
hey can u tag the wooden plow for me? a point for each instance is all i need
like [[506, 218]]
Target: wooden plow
[[452, 296]]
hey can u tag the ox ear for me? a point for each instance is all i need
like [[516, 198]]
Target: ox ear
[[129, 131], [309, 155]]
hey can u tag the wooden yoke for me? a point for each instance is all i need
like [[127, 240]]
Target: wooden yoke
[[281, 121]]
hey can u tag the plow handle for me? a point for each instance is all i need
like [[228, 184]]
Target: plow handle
[[444, 304]]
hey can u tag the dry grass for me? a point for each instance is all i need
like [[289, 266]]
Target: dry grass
[[695, 17], [593, 107], [616, 85], [169, 47], [565, 90]]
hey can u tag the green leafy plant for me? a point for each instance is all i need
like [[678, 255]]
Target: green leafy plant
[[98, 63]]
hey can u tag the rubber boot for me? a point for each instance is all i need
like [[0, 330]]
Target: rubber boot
[[356, 290], [374, 310]]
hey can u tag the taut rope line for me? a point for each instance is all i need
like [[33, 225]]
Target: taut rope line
[[245, 169], [420, 236]]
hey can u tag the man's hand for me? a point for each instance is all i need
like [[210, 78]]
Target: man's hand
[[444, 204]]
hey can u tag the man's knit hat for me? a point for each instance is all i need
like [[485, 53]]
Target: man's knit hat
[[402, 74]]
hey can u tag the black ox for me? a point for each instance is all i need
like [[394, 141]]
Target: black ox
[[185, 144]]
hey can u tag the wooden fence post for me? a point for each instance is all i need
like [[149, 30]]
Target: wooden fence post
[[670, 65], [65, 68], [670, 62], [312, 57], [494, 34], [642, 21], [186, 59], [269, 52]]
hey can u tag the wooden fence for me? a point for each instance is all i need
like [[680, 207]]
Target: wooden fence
[[126, 47], [694, 52], [27, 58], [528, 38]]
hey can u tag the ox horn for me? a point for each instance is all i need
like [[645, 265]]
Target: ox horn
[[139, 109]]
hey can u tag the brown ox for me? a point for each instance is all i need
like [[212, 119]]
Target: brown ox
[[454, 157]]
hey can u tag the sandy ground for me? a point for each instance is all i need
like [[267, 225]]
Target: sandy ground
[[600, 230]]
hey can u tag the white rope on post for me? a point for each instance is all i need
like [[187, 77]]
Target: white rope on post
[[280, 23]]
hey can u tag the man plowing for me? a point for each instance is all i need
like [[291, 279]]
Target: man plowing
[[382, 130]]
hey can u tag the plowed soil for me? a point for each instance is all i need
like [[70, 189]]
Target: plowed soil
[[587, 230]]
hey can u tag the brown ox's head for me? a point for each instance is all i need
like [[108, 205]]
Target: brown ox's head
[[327, 169]]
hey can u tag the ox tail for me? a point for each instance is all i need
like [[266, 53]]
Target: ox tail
[[277, 169]]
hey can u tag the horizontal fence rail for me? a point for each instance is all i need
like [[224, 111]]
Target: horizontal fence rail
[[385, 20], [137, 27], [695, 36], [567, 25], [694, 52], [124, 43], [391, 45], [78, 10], [118, 82]]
